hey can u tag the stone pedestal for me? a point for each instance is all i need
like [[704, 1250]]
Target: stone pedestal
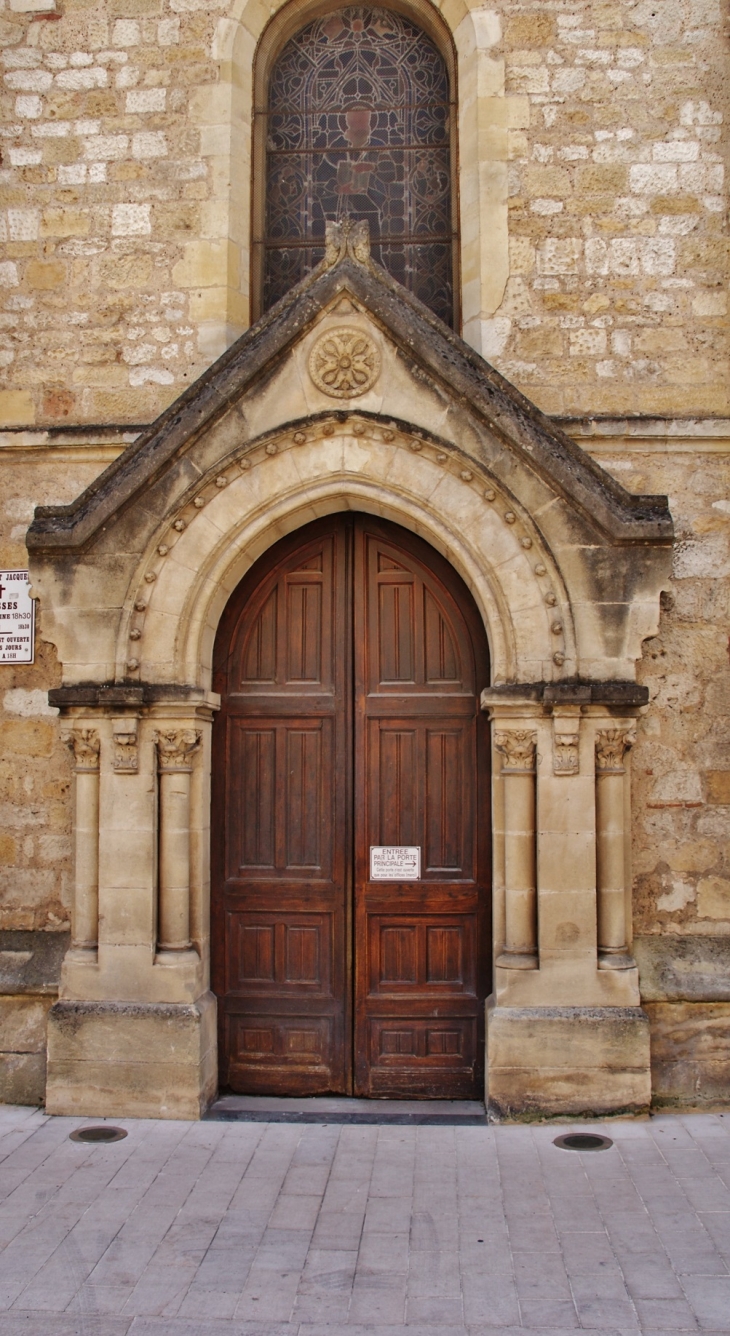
[[131, 1059], [133, 1033], [566, 1033], [558, 1061]]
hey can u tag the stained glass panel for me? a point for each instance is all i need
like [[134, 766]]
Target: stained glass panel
[[358, 125]]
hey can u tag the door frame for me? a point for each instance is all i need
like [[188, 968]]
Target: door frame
[[428, 556]]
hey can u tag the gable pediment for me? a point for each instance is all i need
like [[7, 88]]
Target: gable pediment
[[427, 378]]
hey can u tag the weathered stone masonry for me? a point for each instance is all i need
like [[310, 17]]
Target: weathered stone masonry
[[594, 273]]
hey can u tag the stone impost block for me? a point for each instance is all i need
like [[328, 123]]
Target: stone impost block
[[131, 1060], [567, 1061]]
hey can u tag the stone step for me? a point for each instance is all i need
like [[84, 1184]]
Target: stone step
[[343, 1109]]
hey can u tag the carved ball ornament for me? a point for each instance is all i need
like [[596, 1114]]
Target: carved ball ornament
[[344, 363]]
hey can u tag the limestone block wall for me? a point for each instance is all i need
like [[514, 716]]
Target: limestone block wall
[[681, 776], [594, 260], [681, 758], [595, 272], [35, 766], [30, 966], [616, 299]]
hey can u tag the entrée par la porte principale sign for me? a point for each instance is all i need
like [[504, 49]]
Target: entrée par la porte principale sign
[[17, 618], [395, 862]]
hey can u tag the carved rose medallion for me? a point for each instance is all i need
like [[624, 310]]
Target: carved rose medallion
[[344, 363]]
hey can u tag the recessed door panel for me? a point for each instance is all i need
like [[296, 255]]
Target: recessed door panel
[[349, 663], [285, 952], [421, 953], [277, 811]]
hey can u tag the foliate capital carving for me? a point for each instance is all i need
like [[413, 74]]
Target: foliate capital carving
[[175, 747], [565, 754], [126, 755], [85, 745], [346, 238], [519, 748], [612, 745]]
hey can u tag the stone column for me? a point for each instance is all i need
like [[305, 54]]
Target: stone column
[[611, 747], [519, 748], [85, 745], [175, 748]]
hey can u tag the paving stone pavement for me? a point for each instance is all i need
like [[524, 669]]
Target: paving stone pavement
[[269, 1229]]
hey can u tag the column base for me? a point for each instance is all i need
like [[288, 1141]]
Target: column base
[[131, 1059], [548, 1062], [615, 960], [517, 960]]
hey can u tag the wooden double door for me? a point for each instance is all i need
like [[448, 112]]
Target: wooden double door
[[351, 906]]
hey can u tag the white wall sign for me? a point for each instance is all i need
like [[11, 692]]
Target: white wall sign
[[17, 618], [395, 862]]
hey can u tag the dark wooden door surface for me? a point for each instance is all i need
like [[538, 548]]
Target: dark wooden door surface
[[282, 821], [349, 663]]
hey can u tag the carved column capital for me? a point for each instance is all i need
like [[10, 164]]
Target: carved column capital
[[175, 747], [565, 753], [85, 745], [612, 745], [126, 758], [519, 748]]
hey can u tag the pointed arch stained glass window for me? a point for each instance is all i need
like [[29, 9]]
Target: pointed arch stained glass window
[[358, 124]]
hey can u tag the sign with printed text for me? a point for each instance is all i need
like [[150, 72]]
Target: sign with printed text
[[17, 618], [395, 862]]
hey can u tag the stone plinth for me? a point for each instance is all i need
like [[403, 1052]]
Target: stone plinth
[[552, 1061], [131, 1060]]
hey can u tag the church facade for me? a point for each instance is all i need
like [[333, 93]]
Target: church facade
[[364, 434]]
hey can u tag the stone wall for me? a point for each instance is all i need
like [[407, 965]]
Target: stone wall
[[126, 226], [681, 781], [616, 298], [30, 965], [125, 271], [35, 767], [681, 760]]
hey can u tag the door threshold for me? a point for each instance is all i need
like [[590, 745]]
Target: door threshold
[[343, 1109]]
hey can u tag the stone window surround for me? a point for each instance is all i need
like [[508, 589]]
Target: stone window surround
[[245, 46], [290, 20]]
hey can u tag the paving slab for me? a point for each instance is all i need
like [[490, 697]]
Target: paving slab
[[241, 1227]]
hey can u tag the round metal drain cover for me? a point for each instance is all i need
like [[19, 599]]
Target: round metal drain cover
[[583, 1141], [101, 1133]]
